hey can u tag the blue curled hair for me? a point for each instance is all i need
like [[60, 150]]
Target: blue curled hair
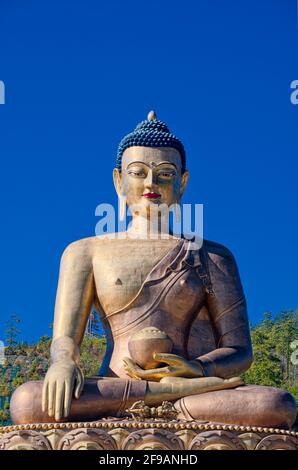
[[151, 133]]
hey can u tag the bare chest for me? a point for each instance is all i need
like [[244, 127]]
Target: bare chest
[[121, 266]]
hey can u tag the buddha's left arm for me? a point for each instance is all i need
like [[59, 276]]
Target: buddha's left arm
[[228, 314]]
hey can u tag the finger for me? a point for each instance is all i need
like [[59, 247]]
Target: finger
[[51, 399], [150, 374], [127, 369], [132, 369], [173, 380], [237, 381], [79, 383], [130, 363], [44, 401], [132, 374], [156, 374], [59, 400], [171, 359], [68, 396]]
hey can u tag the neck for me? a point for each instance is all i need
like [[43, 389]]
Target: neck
[[149, 228]]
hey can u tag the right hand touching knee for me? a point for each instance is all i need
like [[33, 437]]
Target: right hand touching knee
[[63, 379]]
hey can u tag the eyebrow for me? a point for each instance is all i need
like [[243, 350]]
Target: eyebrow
[[159, 164]]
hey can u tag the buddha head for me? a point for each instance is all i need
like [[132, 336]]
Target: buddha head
[[150, 169]]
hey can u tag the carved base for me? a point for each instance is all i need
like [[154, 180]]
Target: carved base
[[129, 434]]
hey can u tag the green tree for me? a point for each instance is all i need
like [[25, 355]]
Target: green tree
[[92, 352], [12, 330], [271, 340]]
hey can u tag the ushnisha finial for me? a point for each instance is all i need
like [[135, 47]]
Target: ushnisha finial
[[152, 116]]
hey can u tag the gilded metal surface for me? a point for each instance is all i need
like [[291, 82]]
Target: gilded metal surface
[[147, 434], [126, 423], [139, 410], [136, 283]]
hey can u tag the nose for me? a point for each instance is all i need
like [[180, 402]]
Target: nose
[[150, 180]]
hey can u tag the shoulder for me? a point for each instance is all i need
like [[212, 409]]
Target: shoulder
[[217, 249], [219, 257], [80, 249], [86, 247]]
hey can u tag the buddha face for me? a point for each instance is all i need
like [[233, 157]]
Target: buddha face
[[150, 177]]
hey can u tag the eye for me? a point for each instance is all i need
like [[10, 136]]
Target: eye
[[137, 173], [167, 174]]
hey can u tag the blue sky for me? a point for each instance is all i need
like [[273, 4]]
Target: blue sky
[[80, 75]]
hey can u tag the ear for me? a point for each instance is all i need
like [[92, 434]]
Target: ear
[[184, 181], [117, 181]]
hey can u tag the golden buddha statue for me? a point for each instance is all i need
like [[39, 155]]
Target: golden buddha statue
[[184, 306]]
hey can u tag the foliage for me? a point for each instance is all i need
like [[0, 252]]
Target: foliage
[[12, 330], [92, 352], [272, 364], [24, 362]]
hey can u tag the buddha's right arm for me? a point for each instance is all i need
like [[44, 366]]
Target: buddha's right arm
[[75, 295]]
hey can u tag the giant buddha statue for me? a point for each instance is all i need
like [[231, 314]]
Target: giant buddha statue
[[175, 317]]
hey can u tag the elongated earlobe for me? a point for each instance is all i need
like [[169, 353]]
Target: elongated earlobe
[[177, 212], [117, 180], [122, 208], [184, 181]]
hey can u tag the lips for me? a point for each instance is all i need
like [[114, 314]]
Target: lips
[[151, 195]]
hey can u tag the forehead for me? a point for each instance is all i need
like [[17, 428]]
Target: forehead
[[148, 154]]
